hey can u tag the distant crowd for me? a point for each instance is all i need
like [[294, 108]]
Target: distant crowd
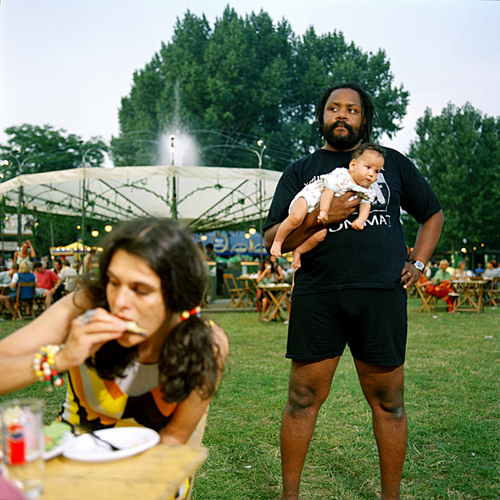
[[53, 277], [437, 279]]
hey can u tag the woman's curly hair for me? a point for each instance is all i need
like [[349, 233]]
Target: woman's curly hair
[[190, 358]]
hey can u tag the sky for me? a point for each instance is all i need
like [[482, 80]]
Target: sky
[[68, 63]]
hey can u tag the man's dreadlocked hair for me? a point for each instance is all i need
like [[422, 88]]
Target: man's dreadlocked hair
[[368, 108]]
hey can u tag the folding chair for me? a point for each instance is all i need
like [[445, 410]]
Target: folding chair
[[426, 298], [26, 302], [236, 294], [492, 292], [73, 283]]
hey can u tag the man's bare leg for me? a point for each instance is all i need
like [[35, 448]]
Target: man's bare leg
[[309, 387], [47, 297], [383, 388]]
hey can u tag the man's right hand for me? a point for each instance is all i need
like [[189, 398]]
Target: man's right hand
[[341, 207]]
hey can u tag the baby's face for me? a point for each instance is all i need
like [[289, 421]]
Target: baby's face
[[365, 169]]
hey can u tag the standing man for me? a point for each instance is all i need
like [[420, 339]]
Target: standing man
[[355, 282]]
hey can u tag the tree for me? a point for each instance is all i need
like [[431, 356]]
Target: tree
[[59, 230], [244, 80], [32, 149], [458, 152], [323, 60]]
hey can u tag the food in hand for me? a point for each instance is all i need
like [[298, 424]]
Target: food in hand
[[132, 327]]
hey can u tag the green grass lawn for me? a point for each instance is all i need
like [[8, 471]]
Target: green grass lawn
[[452, 401]]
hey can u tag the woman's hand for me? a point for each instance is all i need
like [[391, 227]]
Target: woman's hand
[[87, 334]]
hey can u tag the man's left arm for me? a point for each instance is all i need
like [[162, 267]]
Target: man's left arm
[[425, 243]]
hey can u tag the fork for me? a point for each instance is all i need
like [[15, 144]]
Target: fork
[[112, 446]]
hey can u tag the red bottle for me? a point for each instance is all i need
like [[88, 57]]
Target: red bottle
[[15, 444]]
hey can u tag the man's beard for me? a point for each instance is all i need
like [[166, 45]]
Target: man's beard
[[342, 142]]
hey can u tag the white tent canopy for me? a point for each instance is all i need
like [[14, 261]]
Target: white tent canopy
[[206, 197]]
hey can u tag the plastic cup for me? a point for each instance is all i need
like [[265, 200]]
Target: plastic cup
[[23, 445]]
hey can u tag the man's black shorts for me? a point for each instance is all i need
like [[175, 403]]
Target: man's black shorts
[[372, 322]]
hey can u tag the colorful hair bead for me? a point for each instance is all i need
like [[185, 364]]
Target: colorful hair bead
[[187, 314]]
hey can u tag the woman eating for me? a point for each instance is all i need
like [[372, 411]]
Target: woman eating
[[132, 342]]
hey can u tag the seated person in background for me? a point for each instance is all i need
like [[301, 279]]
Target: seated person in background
[[67, 272], [90, 261], [460, 273], [440, 286], [367, 162], [150, 274], [24, 275], [479, 270], [57, 266], [6, 276], [491, 271], [433, 269], [210, 253], [280, 277], [268, 274], [47, 282]]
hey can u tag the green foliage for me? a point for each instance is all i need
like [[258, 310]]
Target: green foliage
[[33, 149], [452, 402], [246, 79], [458, 152], [58, 230]]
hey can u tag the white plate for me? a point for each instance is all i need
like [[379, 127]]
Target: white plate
[[57, 450], [130, 440]]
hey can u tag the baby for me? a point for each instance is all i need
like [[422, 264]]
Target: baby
[[367, 162]]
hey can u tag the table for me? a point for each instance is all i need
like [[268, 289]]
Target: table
[[249, 284], [152, 475], [470, 295], [276, 294]]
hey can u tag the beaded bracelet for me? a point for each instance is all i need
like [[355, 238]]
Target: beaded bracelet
[[45, 370]]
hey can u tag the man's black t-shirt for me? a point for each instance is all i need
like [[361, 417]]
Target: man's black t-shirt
[[374, 257]]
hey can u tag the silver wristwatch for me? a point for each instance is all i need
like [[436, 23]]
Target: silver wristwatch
[[418, 264]]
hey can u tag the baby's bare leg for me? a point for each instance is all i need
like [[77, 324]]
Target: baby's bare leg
[[364, 212], [324, 205], [309, 244], [295, 218]]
